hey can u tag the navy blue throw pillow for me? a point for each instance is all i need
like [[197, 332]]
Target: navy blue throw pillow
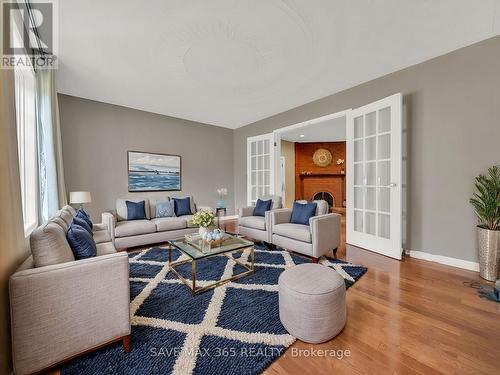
[[85, 216], [83, 224], [261, 207], [301, 213], [81, 242], [136, 210], [182, 206]]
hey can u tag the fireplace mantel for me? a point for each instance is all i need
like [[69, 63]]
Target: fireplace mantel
[[305, 175]]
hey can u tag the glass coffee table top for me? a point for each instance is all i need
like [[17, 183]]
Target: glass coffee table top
[[231, 243]]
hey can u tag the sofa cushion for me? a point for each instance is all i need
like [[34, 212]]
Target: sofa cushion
[[81, 242], [101, 236], [165, 209], [182, 206], [79, 221], [134, 227], [256, 222], [121, 207], [322, 206], [66, 215], [136, 210], [169, 223], [277, 201], [152, 205], [297, 232], [261, 207], [192, 205], [85, 216], [105, 248], [49, 245], [301, 213], [189, 221]]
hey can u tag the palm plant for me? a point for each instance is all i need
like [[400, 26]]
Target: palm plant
[[486, 200]]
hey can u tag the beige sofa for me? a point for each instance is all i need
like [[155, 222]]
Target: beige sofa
[[62, 307], [129, 233], [314, 240]]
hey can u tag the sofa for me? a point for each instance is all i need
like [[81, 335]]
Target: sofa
[[314, 240], [130, 233], [257, 227], [62, 307]]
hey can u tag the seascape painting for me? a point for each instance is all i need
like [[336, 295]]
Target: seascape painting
[[153, 172]]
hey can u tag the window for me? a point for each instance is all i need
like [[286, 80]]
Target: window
[[27, 144]]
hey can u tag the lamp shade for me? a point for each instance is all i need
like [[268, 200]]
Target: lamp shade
[[79, 197]]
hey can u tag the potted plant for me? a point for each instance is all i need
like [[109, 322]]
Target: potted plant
[[486, 203], [204, 220]]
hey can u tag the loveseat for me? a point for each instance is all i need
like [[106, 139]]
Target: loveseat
[[129, 233], [62, 307]]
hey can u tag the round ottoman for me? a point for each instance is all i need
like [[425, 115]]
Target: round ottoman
[[312, 302]]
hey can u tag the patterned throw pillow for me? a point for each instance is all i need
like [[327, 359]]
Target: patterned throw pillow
[[165, 209], [81, 242]]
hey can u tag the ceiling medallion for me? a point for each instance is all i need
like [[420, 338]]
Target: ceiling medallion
[[322, 157]]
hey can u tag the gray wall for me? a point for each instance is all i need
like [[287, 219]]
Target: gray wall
[[453, 118], [96, 137]]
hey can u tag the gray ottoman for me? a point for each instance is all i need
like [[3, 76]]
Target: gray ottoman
[[312, 302]]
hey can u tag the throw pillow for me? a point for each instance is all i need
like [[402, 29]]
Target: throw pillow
[[81, 242], [79, 221], [301, 213], [182, 206], [165, 209], [85, 216], [136, 210], [261, 207]]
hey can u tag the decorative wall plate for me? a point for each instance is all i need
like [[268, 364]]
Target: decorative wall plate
[[322, 157]]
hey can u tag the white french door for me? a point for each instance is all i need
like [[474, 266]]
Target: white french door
[[261, 167], [374, 180]]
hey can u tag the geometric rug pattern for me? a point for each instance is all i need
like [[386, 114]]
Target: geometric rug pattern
[[232, 329]]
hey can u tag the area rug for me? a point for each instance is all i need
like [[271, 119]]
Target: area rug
[[232, 329]]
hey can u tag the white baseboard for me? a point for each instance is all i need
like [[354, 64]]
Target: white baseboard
[[454, 262]]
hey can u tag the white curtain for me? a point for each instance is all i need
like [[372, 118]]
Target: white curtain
[[52, 191]]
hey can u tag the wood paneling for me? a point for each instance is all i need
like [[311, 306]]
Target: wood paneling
[[306, 187]]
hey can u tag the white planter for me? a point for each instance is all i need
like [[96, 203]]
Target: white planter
[[202, 230]]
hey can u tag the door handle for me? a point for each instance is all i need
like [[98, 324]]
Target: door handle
[[392, 184]]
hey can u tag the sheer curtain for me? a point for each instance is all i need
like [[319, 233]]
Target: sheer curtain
[[52, 191]]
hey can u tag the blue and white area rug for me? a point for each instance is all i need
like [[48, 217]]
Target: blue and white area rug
[[232, 329]]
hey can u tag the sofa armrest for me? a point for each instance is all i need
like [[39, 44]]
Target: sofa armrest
[[205, 208], [245, 211], [99, 227], [280, 216], [62, 310], [325, 231], [109, 219]]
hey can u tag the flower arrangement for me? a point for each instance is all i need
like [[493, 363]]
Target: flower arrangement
[[222, 192], [203, 219]]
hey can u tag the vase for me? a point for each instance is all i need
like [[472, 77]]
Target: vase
[[202, 231], [489, 253]]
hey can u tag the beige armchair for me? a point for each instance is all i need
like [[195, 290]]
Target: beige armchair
[[257, 227], [314, 240]]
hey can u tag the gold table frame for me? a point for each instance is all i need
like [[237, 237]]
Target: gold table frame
[[192, 284]]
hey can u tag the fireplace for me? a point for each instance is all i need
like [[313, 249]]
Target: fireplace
[[324, 195]]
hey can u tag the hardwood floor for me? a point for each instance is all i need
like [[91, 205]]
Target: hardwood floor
[[408, 317]]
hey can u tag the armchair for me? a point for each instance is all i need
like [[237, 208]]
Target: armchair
[[314, 240], [257, 227]]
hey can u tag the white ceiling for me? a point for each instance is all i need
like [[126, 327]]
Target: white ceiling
[[230, 63], [333, 130]]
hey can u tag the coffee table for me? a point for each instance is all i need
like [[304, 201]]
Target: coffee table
[[194, 254]]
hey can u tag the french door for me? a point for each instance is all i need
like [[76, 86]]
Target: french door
[[374, 157], [261, 167]]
